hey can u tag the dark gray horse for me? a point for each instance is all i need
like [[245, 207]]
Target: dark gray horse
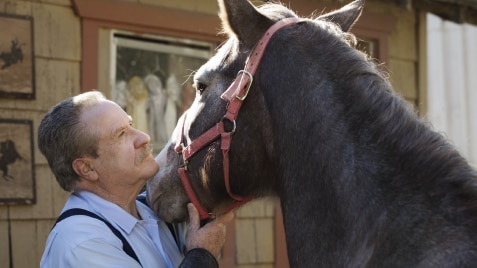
[[362, 181]]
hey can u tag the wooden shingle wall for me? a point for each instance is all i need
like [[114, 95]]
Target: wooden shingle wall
[[57, 53]]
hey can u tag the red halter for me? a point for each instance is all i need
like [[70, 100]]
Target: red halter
[[235, 95]]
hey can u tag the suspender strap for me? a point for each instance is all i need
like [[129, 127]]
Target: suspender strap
[[78, 211]]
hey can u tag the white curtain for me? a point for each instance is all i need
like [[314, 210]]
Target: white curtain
[[452, 82]]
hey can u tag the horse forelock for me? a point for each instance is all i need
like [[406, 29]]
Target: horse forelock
[[276, 11]]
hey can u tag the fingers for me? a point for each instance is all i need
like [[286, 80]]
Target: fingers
[[225, 218], [211, 236], [194, 218]]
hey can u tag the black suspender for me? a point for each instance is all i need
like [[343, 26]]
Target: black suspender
[[78, 211]]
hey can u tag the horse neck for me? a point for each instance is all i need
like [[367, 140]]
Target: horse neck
[[350, 156], [354, 169], [361, 161]]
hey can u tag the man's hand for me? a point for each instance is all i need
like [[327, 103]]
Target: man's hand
[[211, 236]]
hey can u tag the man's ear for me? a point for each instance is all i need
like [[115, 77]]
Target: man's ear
[[84, 168]]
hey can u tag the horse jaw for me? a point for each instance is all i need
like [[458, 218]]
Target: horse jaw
[[163, 194], [346, 16]]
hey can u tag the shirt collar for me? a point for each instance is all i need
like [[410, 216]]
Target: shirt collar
[[111, 212]]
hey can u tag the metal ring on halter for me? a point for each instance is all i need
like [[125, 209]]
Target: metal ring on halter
[[241, 98], [182, 163], [185, 165], [234, 124]]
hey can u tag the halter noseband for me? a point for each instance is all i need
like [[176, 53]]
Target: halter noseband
[[235, 95]]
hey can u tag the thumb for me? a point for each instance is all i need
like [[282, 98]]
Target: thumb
[[194, 219]]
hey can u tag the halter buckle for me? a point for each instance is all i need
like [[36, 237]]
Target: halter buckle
[[249, 84]]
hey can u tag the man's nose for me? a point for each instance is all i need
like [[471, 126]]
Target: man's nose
[[142, 138]]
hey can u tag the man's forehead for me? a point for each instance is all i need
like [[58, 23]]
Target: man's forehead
[[104, 114]]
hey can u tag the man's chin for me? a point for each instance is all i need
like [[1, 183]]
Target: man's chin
[[150, 165]]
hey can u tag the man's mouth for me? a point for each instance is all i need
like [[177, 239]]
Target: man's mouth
[[145, 152]]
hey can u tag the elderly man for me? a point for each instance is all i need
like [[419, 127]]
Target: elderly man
[[95, 152]]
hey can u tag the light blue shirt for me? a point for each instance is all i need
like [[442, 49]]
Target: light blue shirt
[[83, 241]]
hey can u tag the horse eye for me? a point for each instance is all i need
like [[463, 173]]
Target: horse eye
[[200, 87]]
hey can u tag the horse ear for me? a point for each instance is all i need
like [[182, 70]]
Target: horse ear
[[346, 16], [241, 18]]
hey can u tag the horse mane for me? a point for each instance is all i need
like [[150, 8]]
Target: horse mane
[[419, 155], [425, 157]]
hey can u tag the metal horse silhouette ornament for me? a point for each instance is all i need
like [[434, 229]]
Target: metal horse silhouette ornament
[[362, 181]]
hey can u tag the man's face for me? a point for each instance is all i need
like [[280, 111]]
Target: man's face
[[125, 158]]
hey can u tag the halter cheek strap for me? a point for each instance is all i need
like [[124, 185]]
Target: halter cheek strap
[[235, 95]]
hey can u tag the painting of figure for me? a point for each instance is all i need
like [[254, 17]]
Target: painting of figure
[[17, 181], [16, 57]]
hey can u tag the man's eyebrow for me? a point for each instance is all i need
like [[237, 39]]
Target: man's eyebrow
[[116, 131]]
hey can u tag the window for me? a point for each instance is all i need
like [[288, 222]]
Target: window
[[368, 46], [153, 80]]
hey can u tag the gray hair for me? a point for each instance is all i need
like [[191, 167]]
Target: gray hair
[[63, 137]]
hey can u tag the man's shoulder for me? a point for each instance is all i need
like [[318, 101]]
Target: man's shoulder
[[78, 229], [76, 239]]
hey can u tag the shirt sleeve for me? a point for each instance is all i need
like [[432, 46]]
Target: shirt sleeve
[[199, 258]]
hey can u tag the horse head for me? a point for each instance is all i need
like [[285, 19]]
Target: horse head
[[239, 162]]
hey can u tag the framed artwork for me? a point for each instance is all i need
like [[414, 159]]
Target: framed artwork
[[16, 57], [153, 80], [17, 178]]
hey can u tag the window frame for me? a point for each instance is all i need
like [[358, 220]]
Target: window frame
[[137, 19]]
